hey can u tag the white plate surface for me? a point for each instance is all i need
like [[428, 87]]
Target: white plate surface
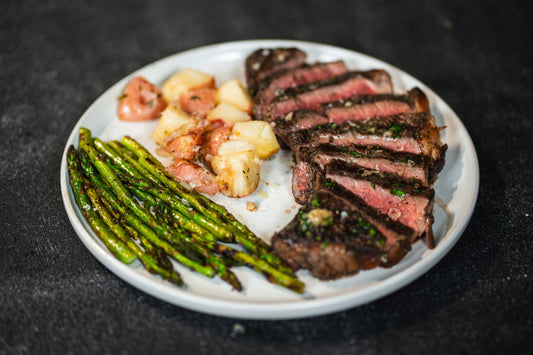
[[457, 187]]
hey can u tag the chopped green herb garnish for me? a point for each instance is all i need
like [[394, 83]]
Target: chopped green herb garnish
[[315, 203], [397, 192], [395, 129], [363, 224], [195, 97], [324, 245], [373, 184]]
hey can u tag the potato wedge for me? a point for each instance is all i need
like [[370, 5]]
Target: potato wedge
[[172, 119], [228, 113], [260, 134], [185, 80], [238, 174], [233, 93]]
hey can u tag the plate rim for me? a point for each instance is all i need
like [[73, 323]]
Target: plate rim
[[277, 310]]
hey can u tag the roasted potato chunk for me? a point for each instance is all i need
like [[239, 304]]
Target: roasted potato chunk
[[227, 113], [233, 93], [260, 134], [184, 81], [172, 119], [238, 173]]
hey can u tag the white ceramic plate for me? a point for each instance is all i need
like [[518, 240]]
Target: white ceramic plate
[[457, 187]]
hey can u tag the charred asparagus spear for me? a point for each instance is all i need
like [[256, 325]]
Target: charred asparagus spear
[[185, 241], [169, 222], [242, 234], [123, 195], [118, 248], [150, 262]]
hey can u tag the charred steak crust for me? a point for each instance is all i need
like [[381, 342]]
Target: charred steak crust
[[264, 62], [398, 235], [329, 241]]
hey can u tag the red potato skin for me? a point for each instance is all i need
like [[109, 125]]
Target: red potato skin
[[198, 102], [186, 145], [213, 139], [141, 101], [195, 175]]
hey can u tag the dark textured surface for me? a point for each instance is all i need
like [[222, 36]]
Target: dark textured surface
[[58, 56]]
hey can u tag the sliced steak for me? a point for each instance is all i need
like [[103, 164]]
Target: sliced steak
[[264, 62], [362, 107], [338, 88], [293, 129], [414, 133], [275, 84], [398, 236], [357, 108], [403, 201], [304, 180], [330, 241], [408, 166]]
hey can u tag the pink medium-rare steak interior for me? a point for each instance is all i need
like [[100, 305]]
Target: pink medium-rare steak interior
[[386, 165], [407, 145], [303, 75], [344, 87], [340, 115], [408, 210]]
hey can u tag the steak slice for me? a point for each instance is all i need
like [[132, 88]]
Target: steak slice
[[304, 180], [398, 236], [264, 62], [362, 107], [404, 201], [329, 240], [293, 129], [338, 88], [415, 133], [273, 85], [357, 108], [419, 168]]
